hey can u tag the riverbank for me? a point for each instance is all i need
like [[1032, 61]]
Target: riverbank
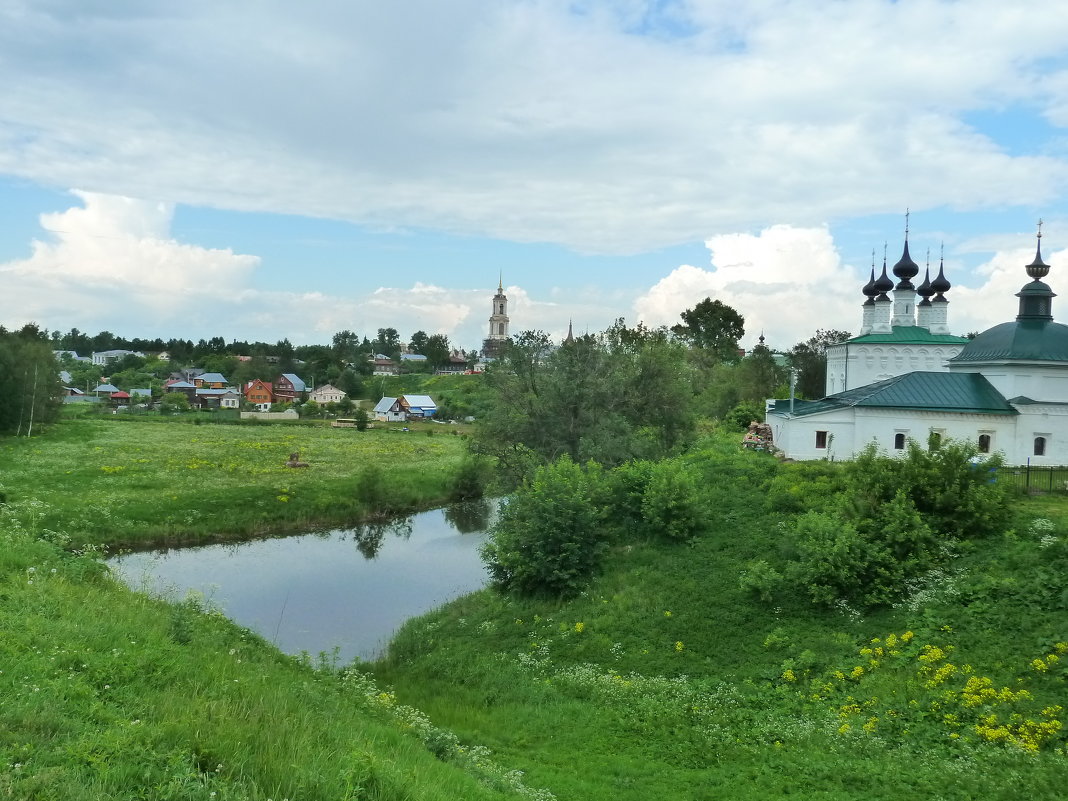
[[137, 484], [110, 693]]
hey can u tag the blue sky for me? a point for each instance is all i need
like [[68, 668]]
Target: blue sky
[[260, 170]]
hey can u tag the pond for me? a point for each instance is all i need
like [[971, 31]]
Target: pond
[[346, 589]]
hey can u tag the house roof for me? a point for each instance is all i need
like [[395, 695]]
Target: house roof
[[141, 392], [296, 381], [422, 401], [933, 392], [413, 357], [910, 335], [180, 385], [106, 388], [1021, 340], [214, 378], [204, 391], [384, 405]]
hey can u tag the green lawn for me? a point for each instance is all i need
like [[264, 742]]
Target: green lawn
[[125, 482]]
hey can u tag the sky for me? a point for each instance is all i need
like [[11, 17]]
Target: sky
[[261, 170]]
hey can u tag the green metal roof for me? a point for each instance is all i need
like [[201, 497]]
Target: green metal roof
[[1022, 340], [931, 392], [911, 335]]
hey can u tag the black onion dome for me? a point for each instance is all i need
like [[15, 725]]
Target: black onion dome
[[925, 290], [883, 284], [906, 269], [941, 284], [869, 289]]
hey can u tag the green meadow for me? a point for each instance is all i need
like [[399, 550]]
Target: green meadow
[[666, 678], [150, 480]]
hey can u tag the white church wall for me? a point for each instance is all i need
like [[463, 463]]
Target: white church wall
[[857, 364]]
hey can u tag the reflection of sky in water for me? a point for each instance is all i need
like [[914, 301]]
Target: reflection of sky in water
[[317, 591]]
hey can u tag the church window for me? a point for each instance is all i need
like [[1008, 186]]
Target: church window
[[984, 443], [821, 439], [500, 328], [1040, 446], [899, 442], [934, 441]]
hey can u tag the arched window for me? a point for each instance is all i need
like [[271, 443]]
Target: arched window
[[984, 443], [934, 442], [899, 442], [1040, 446]]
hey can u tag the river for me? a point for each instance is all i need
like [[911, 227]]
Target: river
[[346, 589]]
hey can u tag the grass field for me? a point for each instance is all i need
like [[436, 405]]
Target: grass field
[[148, 480], [664, 680]]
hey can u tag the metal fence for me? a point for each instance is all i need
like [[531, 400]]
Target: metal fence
[[1034, 479]]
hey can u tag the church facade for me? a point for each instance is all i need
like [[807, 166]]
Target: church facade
[[906, 377]]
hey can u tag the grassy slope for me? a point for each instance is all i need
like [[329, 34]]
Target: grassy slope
[[665, 680], [109, 694]]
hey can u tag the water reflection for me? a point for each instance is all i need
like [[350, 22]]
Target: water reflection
[[369, 537], [470, 516], [316, 592]]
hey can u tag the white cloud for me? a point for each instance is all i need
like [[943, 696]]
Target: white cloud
[[112, 264], [113, 260], [785, 281], [534, 120]]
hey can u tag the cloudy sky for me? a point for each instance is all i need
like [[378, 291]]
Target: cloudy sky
[[258, 169]]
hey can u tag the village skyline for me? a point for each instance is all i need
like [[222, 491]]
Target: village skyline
[[387, 167]]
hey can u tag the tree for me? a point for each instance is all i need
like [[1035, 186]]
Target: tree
[[809, 358], [712, 326], [346, 346], [417, 344], [622, 395], [174, 402], [30, 392], [548, 539], [387, 342], [437, 351], [759, 376]]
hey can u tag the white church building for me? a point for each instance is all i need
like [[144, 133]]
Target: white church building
[[906, 377]]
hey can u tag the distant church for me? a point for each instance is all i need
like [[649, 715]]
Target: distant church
[[906, 377], [493, 345]]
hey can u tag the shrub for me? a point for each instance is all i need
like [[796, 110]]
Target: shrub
[[761, 579], [372, 491], [470, 479], [547, 539], [670, 504]]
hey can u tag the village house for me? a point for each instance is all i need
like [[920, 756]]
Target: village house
[[289, 388], [259, 393], [327, 393], [404, 408]]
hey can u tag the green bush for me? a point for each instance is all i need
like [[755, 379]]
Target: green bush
[[470, 479], [670, 505], [548, 539]]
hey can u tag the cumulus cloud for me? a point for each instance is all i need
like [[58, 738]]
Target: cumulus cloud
[[785, 281], [113, 259], [612, 127], [112, 264]]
